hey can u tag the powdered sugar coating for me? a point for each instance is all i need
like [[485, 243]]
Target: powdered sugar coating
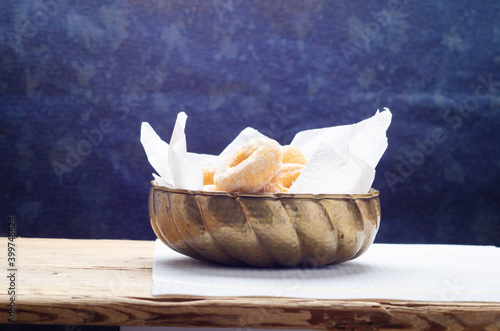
[[284, 179], [250, 168]]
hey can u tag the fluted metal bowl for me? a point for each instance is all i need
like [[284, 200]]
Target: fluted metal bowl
[[265, 230]]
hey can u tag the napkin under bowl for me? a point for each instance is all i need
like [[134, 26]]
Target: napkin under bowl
[[265, 230]]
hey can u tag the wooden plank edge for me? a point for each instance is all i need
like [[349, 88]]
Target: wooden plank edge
[[261, 313]]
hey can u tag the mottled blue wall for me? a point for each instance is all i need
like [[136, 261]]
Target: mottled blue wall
[[80, 77]]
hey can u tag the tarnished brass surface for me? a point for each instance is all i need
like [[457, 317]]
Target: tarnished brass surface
[[265, 230]]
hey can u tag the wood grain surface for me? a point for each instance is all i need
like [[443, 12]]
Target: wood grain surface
[[108, 282]]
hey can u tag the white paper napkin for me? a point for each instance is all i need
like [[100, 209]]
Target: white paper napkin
[[385, 271], [341, 159], [329, 171]]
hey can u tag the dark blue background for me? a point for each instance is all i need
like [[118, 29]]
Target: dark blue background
[[80, 77]]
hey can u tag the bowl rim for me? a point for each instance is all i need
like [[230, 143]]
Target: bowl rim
[[371, 194]]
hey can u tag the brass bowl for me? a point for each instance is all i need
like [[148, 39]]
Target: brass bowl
[[265, 230]]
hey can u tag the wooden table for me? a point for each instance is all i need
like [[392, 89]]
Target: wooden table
[[108, 282]]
